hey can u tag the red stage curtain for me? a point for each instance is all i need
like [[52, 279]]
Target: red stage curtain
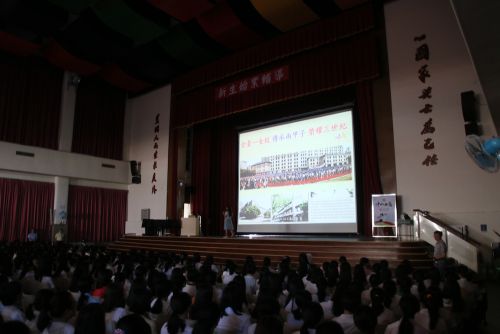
[[25, 205], [30, 102], [214, 171], [317, 34], [99, 120], [322, 69], [96, 214], [368, 151]]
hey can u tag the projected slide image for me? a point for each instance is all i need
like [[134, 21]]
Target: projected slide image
[[298, 173]]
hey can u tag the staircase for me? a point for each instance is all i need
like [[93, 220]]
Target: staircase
[[237, 249]]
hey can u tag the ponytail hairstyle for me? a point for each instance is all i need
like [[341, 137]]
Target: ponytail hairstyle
[[378, 298], [433, 301], [61, 304], [409, 306], [302, 299], [312, 314], [179, 304]]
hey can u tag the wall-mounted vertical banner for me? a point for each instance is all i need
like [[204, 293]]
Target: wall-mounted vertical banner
[[384, 216]]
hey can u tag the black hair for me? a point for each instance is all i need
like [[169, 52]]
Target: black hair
[[133, 324], [269, 324], [378, 299], [61, 302], [409, 306], [329, 327], [179, 304], [312, 314], [365, 320], [139, 300], [14, 327], [90, 320], [113, 297]]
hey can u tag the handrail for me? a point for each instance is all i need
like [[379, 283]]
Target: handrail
[[447, 227], [464, 251]]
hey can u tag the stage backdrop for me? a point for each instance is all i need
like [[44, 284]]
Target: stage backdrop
[[318, 59]]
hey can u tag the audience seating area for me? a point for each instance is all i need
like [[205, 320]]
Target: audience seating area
[[127, 289]]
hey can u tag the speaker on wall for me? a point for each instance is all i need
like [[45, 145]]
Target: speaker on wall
[[469, 113], [135, 170]]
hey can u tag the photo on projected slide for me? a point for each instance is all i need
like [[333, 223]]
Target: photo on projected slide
[[301, 172]]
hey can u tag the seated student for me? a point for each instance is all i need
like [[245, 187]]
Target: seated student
[[13, 327], [178, 322], [429, 316], [409, 307], [312, 315], [10, 297], [265, 307], [383, 314], [269, 324], [350, 302], [90, 320], [329, 327], [233, 320], [41, 303], [114, 306], [133, 324], [138, 302], [229, 272], [365, 320], [55, 321]]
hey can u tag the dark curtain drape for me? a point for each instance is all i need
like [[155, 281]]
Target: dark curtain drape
[[25, 205], [30, 102], [96, 214], [99, 120], [370, 175], [214, 174], [214, 170]]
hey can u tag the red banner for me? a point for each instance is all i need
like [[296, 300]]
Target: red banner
[[259, 80]]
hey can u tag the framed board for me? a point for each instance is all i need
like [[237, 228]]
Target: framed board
[[384, 216]]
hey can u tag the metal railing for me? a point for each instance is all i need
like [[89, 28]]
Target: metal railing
[[464, 250]]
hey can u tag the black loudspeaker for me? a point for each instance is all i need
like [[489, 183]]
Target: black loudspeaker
[[469, 113], [135, 170]]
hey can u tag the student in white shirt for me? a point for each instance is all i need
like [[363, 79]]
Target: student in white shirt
[[350, 302], [62, 309], [429, 316], [383, 314], [178, 322], [234, 319], [10, 296], [409, 307]]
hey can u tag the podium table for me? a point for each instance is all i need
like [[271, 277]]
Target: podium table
[[190, 226]]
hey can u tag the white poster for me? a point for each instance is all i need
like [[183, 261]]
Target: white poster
[[384, 215]]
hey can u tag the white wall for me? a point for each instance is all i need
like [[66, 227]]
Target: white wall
[[455, 189], [58, 163], [139, 140]]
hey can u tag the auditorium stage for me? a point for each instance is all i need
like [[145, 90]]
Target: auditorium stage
[[276, 247]]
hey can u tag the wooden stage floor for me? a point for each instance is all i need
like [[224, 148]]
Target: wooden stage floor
[[276, 247]]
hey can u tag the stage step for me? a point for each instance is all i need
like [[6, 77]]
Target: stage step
[[237, 249]]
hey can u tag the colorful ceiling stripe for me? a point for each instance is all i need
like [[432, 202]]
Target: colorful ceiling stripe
[[146, 43], [16, 45], [346, 4], [285, 14], [224, 26], [119, 78], [178, 44], [74, 6], [121, 18], [58, 56], [183, 10]]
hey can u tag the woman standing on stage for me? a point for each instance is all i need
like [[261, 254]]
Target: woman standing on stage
[[228, 222]]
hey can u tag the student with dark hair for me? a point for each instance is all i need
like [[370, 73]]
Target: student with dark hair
[[178, 322], [384, 316], [204, 310], [41, 303], [10, 296], [428, 317], [90, 320], [233, 319], [133, 324], [114, 306], [329, 327], [55, 321], [294, 320], [269, 324], [365, 320], [312, 315], [138, 302], [350, 303], [14, 327], [409, 307]]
